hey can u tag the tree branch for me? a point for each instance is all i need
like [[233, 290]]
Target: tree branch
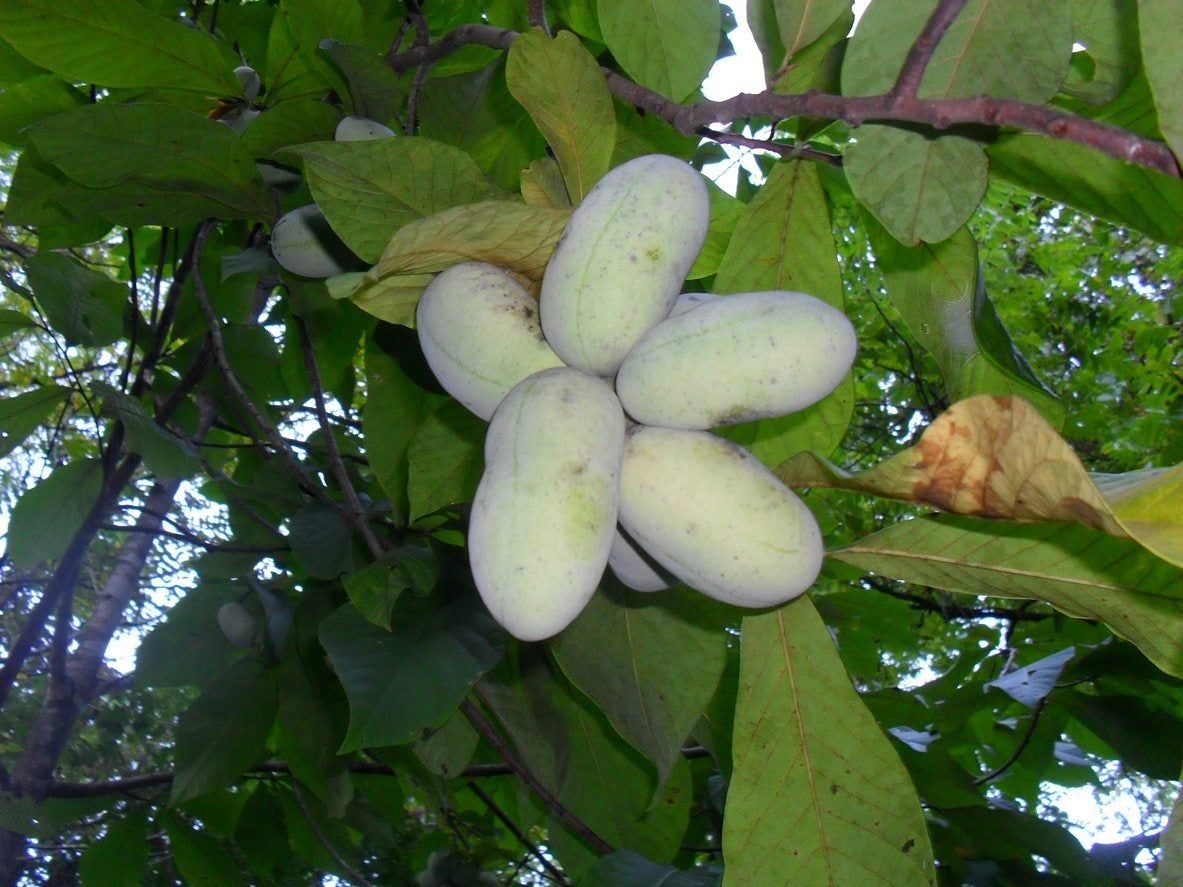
[[921, 52], [1014, 756], [530, 846], [939, 114], [352, 872]]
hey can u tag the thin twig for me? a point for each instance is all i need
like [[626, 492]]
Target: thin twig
[[358, 511], [353, 873], [792, 152], [536, 14], [1014, 756], [422, 40], [517, 832], [922, 50]]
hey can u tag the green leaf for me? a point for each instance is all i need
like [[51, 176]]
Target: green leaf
[[63, 212], [33, 100], [783, 241], [1092, 182], [475, 112], [117, 43], [515, 236], [562, 87], [1158, 23], [651, 662], [86, 307], [1108, 31], [290, 123], [375, 91], [402, 681], [310, 22], [23, 414], [445, 460], [321, 541], [626, 867], [801, 22], [199, 858], [46, 517], [188, 648], [448, 750], [370, 189], [120, 857], [163, 452], [392, 298], [1016, 49], [919, 188], [160, 151], [1145, 738], [726, 211], [13, 321], [818, 794], [1170, 867], [225, 730], [375, 589], [667, 45], [940, 294], [1077, 570]]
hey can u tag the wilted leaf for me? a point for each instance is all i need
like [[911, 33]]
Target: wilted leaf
[[997, 457], [818, 794], [1072, 567], [561, 85], [375, 589], [46, 517]]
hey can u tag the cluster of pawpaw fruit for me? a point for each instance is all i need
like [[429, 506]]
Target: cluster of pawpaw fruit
[[600, 396]]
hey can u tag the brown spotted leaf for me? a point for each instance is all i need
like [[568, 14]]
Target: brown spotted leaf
[[997, 457]]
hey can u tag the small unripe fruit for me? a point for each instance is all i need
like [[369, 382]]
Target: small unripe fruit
[[303, 243], [359, 129], [479, 331], [622, 259], [545, 511], [710, 513], [738, 358], [248, 79], [237, 624]]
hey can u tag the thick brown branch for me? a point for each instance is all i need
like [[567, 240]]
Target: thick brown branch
[[921, 52]]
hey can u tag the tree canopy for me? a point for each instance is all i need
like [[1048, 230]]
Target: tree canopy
[[251, 481]]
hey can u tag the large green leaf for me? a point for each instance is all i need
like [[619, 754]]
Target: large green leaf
[[1078, 570], [198, 855], [33, 100], [561, 85], [375, 91], [919, 188], [46, 517], [817, 794], [117, 43], [1108, 31], [321, 540], [651, 662], [1158, 25], [23, 414], [86, 307], [445, 460], [667, 45], [1016, 49], [401, 681], [369, 189], [940, 295], [1094, 183], [160, 151], [800, 22], [187, 648], [120, 857], [225, 730], [783, 241]]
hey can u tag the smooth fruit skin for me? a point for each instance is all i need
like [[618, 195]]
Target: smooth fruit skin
[[622, 259], [479, 331], [633, 567], [738, 358], [303, 243], [545, 510], [710, 513], [361, 129]]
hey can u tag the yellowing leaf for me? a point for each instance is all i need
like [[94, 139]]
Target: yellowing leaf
[[997, 457]]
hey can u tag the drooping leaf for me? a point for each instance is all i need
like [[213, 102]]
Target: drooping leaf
[[370, 189], [120, 857], [86, 307], [939, 293], [651, 662], [445, 459], [919, 188], [163, 452], [198, 856], [783, 241], [667, 45], [412, 677], [117, 43], [162, 151], [225, 730], [392, 298], [561, 85], [1076, 569], [996, 457], [1016, 49], [818, 794], [1092, 182], [1158, 20], [46, 517], [23, 414]]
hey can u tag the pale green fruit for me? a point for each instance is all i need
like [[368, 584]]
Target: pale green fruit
[[479, 331], [237, 624], [633, 567], [710, 513], [689, 301], [545, 511], [248, 79], [303, 243], [738, 358], [622, 259], [359, 129]]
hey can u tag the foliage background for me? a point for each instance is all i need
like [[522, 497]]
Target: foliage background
[[186, 425]]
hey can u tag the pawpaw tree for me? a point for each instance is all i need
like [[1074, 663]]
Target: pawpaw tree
[[241, 639]]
